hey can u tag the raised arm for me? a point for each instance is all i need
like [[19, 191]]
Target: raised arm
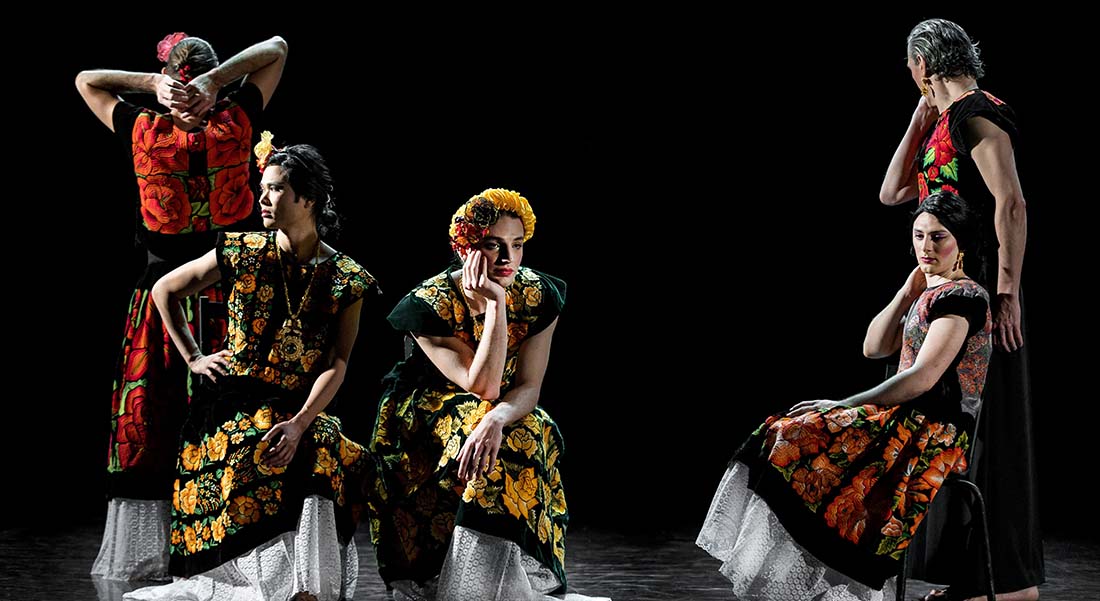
[[991, 149], [260, 64], [100, 89], [480, 371], [289, 433], [186, 280], [900, 183], [884, 333]]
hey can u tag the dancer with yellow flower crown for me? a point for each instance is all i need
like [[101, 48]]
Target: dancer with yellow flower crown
[[469, 501], [192, 170], [267, 490]]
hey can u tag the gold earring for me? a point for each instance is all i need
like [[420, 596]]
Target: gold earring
[[959, 261], [926, 88]]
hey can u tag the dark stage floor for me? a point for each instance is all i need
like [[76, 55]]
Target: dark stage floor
[[54, 566]]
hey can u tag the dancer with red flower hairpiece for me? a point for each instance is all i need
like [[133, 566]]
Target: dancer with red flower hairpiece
[[192, 165]]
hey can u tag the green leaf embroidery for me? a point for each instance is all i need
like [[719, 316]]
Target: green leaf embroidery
[[929, 156], [951, 170]]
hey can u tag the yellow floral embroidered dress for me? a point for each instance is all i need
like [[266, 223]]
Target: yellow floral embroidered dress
[[226, 500], [423, 420]]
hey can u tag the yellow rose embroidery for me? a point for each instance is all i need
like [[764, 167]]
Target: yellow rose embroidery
[[262, 419], [324, 463], [265, 293], [532, 296], [254, 240], [189, 497], [192, 457], [544, 527], [227, 483], [216, 446], [349, 451], [191, 539], [246, 283], [521, 441], [245, 510], [217, 529], [519, 494]]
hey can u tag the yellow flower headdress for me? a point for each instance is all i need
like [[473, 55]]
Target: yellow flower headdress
[[471, 221], [264, 149]]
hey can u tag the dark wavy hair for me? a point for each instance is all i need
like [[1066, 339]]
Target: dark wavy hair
[[309, 175], [962, 221], [947, 50], [196, 53]]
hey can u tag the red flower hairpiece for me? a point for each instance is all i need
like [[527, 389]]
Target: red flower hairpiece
[[164, 48], [183, 71]]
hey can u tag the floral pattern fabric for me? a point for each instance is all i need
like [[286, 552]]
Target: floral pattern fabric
[[423, 421], [226, 500], [198, 180], [852, 484], [257, 307]]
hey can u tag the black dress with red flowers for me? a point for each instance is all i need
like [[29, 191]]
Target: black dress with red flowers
[[823, 504], [190, 185], [1003, 463]]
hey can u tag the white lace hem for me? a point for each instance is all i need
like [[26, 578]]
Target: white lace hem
[[482, 567], [135, 541], [309, 559], [762, 560]]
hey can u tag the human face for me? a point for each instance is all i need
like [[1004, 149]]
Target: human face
[[916, 70], [503, 249], [280, 206], [936, 248]]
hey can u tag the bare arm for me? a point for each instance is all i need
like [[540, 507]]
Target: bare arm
[[480, 371], [186, 280], [289, 433], [479, 453], [991, 149], [946, 336], [884, 333], [900, 183], [260, 64], [100, 89]]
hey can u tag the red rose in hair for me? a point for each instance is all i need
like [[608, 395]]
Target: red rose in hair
[[164, 206], [164, 48], [231, 198]]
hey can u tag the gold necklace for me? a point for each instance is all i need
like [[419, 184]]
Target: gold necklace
[[288, 340]]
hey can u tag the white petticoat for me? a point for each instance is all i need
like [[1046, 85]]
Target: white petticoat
[[309, 559], [761, 559], [482, 567], [135, 541]]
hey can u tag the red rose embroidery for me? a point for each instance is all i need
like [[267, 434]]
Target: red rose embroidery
[[156, 146], [230, 137], [231, 199], [164, 205]]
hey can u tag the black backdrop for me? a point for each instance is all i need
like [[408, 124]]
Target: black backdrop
[[706, 185]]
